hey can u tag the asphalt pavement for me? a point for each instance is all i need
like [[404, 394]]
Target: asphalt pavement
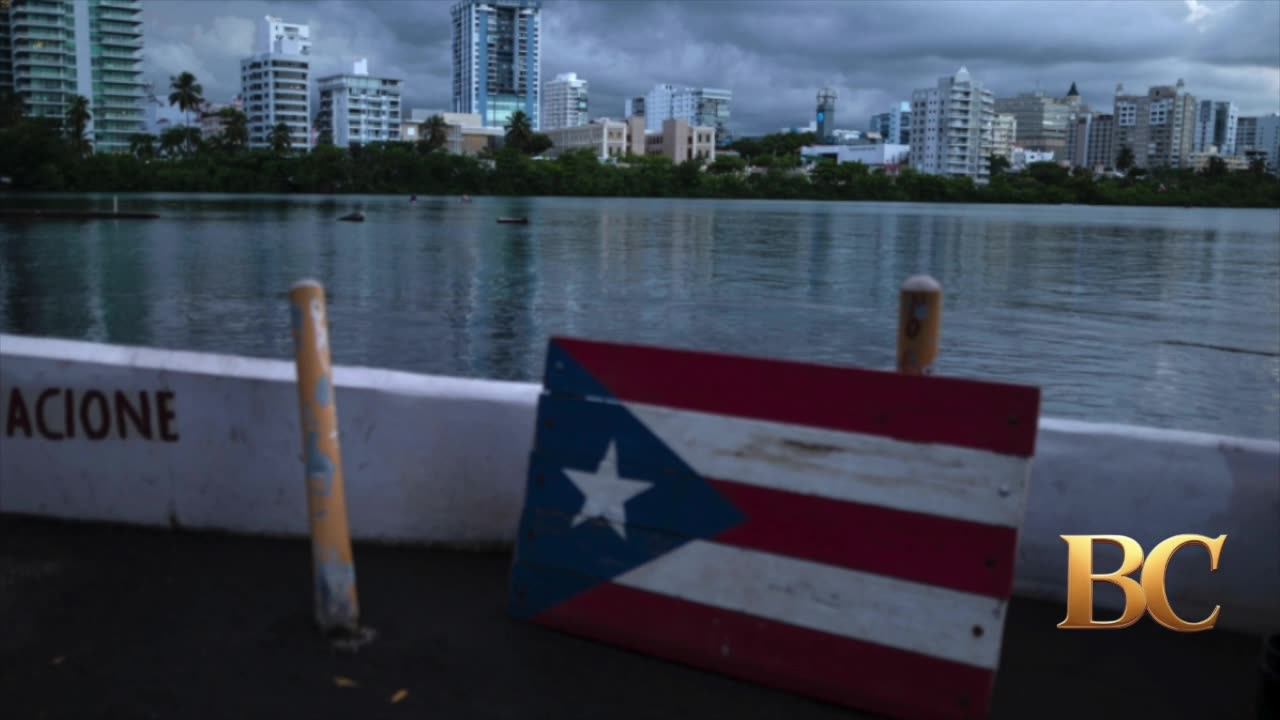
[[100, 621]]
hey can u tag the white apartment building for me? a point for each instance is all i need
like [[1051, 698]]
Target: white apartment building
[[564, 102], [276, 83], [359, 109], [1158, 127], [951, 128], [1004, 130]]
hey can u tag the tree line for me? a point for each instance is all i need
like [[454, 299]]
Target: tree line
[[44, 155]]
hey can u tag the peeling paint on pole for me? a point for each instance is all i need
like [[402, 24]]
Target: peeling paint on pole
[[919, 325], [336, 604]]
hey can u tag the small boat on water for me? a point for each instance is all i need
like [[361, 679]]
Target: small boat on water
[[352, 217], [513, 221]]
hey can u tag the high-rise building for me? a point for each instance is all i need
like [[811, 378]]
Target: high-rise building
[[1158, 127], [358, 109], [564, 102], [1042, 121], [1246, 134], [634, 107], [497, 59], [1004, 129], [6, 49], [895, 125], [699, 107], [825, 114], [951, 128], [1264, 140], [276, 83], [1091, 141], [1216, 124], [55, 50], [1100, 150]]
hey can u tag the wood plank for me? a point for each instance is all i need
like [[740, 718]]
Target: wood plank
[[935, 479], [868, 606], [968, 413]]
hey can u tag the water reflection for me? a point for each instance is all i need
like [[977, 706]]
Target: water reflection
[[1090, 305]]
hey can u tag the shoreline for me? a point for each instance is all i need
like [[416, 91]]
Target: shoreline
[[199, 194]]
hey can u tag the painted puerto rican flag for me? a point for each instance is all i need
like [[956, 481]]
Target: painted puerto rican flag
[[846, 534]]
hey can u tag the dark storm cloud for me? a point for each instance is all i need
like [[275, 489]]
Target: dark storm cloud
[[773, 54]]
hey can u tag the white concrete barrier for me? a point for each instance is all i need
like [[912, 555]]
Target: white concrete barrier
[[206, 441]]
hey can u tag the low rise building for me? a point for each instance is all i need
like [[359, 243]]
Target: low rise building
[[616, 139], [1023, 157], [211, 122], [608, 138], [465, 133], [1200, 159], [680, 141], [886, 156]]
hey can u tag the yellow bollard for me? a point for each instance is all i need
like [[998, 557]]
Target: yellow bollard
[[919, 325], [335, 576]]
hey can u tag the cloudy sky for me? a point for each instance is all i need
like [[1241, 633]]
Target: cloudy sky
[[773, 54]]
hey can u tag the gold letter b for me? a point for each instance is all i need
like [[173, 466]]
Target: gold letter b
[[1080, 580]]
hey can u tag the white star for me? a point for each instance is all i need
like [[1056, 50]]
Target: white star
[[605, 493]]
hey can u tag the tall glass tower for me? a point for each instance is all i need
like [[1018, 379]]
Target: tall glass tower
[[497, 62], [54, 50]]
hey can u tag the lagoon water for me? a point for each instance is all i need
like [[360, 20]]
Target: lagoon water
[[1160, 317]]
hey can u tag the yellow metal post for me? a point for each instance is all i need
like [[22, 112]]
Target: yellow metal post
[[335, 576], [919, 325]]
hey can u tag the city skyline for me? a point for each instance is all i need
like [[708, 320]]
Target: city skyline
[[773, 61]]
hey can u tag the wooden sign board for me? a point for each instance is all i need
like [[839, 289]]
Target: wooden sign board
[[847, 534]]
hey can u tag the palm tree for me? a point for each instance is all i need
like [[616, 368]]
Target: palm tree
[[78, 117], [1125, 159], [519, 131], [143, 146], [235, 128], [186, 93], [172, 141], [434, 133], [279, 138]]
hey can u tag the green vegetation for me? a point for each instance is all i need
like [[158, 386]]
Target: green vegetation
[[43, 156]]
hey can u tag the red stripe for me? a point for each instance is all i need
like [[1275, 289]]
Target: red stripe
[[928, 549], [849, 672], [968, 413]]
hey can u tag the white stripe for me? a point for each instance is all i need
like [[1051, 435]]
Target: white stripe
[[954, 482], [886, 611]]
